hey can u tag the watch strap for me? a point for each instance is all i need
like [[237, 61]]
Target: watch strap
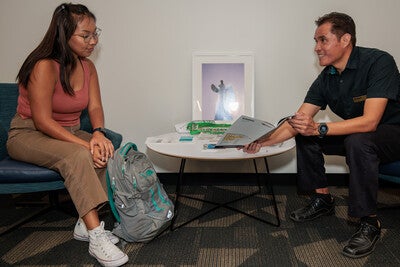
[[100, 129]]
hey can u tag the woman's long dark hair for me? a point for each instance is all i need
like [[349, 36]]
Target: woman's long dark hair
[[55, 44]]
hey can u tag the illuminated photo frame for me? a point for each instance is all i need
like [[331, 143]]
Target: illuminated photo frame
[[223, 86]]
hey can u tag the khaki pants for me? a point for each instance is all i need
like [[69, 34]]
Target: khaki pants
[[85, 184]]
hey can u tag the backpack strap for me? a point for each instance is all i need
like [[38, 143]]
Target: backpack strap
[[128, 146], [110, 187], [110, 193]]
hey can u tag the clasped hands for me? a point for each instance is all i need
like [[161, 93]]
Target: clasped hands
[[101, 149]]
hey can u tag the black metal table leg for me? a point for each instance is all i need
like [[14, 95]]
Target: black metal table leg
[[178, 195]]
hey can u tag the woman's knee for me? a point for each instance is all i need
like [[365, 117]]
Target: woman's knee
[[81, 154], [77, 158]]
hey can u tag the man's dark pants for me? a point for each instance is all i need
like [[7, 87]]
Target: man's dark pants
[[363, 151]]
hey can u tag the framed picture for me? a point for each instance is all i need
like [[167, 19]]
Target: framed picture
[[223, 86]]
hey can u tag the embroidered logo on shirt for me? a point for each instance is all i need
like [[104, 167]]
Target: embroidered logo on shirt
[[332, 70], [360, 98]]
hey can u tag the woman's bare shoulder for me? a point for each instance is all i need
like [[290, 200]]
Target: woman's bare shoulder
[[90, 64], [45, 68], [45, 65]]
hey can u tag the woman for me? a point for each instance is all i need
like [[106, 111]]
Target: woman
[[56, 82]]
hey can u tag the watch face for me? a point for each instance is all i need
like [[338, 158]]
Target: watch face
[[323, 128]]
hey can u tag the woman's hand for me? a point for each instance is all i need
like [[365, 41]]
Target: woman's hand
[[101, 145], [98, 160]]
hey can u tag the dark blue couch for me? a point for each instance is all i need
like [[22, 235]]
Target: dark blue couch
[[21, 177]]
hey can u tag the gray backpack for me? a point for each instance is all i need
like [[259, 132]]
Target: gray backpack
[[137, 198]]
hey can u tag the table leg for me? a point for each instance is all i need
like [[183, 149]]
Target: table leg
[[278, 221], [273, 195], [177, 192], [225, 204], [179, 195]]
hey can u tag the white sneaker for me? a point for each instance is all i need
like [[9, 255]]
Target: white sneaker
[[103, 250], [81, 233]]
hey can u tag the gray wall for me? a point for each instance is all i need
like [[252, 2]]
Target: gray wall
[[144, 57]]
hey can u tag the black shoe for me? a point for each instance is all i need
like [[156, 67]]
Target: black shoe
[[317, 208], [362, 243]]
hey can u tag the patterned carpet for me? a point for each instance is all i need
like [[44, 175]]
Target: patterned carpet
[[221, 238]]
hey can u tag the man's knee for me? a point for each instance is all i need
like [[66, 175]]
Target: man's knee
[[302, 140], [358, 142]]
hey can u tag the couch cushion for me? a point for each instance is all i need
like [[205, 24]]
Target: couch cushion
[[3, 140], [8, 102], [8, 106], [392, 168], [12, 171], [85, 121]]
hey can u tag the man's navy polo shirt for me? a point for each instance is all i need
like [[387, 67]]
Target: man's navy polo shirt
[[369, 73]]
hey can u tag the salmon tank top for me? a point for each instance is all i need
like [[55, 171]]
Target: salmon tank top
[[67, 109]]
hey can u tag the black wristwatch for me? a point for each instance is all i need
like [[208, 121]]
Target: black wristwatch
[[322, 129], [100, 129]]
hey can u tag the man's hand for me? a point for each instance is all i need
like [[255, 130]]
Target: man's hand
[[252, 148], [304, 124]]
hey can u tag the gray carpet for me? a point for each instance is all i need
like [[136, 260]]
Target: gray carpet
[[221, 238]]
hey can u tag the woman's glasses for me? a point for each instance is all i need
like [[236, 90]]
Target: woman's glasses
[[88, 36]]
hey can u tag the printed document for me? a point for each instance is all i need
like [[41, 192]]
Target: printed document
[[246, 130]]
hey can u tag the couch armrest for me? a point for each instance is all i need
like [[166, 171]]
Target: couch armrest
[[3, 141], [114, 137]]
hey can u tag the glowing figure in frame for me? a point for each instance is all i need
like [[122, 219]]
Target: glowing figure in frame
[[226, 104]]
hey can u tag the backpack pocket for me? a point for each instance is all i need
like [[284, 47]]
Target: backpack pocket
[[141, 170], [156, 203]]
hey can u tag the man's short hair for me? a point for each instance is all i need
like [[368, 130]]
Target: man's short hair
[[341, 24]]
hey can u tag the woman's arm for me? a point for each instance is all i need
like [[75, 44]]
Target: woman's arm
[[96, 115]]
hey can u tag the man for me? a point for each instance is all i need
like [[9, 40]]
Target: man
[[361, 85]]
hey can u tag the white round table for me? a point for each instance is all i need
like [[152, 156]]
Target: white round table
[[185, 147], [169, 144]]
